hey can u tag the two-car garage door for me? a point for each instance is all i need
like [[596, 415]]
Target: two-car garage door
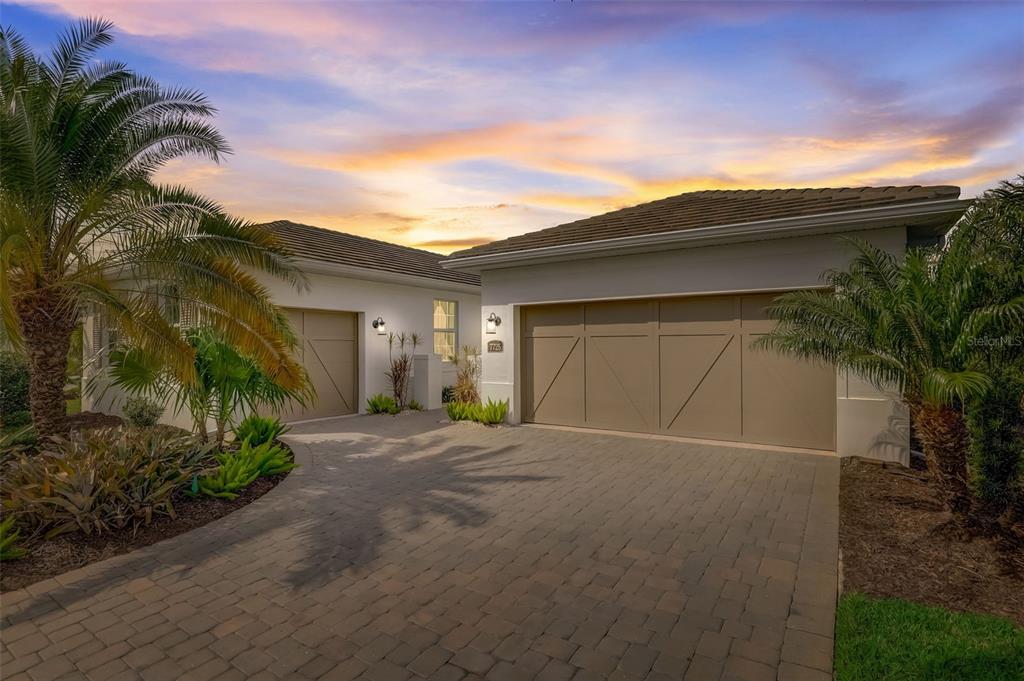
[[680, 366]]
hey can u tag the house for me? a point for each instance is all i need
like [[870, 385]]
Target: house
[[360, 290], [642, 319]]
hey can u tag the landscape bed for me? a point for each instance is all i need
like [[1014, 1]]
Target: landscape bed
[[64, 553], [921, 599]]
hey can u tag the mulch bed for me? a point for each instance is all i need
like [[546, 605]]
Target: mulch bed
[[70, 551], [897, 541]]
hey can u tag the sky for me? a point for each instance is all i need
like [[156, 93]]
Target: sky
[[446, 125]]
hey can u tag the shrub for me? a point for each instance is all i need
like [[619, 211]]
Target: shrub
[[996, 425], [467, 376], [460, 411], [491, 413], [447, 394], [415, 405], [142, 412], [9, 550], [382, 404], [14, 378], [239, 469], [101, 480], [258, 430], [400, 373]]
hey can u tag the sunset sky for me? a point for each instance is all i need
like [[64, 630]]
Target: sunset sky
[[445, 125]]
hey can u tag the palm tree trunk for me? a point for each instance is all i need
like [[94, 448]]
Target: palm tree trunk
[[46, 326], [944, 437]]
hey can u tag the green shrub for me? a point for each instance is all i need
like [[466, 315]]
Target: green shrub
[[234, 474], [9, 550], [238, 469], [382, 404], [101, 480], [491, 413], [996, 425], [14, 379], [447, 394], [460, 411], [142, 412], [258, 430], [415, 406]]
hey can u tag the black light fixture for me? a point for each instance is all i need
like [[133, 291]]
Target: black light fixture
[[378, 324], [493, 322]]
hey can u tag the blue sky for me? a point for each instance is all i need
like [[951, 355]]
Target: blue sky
[[442, 125]]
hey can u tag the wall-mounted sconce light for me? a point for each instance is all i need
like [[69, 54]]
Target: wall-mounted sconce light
[[378, 324], [493, 322]]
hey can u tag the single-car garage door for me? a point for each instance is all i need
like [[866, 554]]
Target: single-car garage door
[[329, 352], [679, 366]]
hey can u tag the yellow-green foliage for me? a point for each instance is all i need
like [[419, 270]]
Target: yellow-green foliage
[[9, 550], [239, 469], [491, 413]]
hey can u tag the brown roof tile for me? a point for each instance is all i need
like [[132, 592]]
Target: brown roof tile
[[709, 209], [329, 246]]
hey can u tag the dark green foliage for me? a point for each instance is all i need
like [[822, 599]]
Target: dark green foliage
[[9, 550], [142, 412], [101, 480], [447, 394], [996, 424], [258, 430], [894, 640], [13, 390], [382, 404]]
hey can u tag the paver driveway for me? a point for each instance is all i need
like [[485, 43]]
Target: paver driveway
[[405, 548]]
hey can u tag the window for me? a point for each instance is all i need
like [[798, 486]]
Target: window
[[446, 341]]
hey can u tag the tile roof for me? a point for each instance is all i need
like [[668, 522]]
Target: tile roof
[[709, 209], [329, 246]]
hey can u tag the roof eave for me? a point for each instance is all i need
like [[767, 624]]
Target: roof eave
[[940, 214], [312, 266]]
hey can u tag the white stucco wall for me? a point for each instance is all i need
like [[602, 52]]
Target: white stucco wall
[[404, 307], [867, 420]]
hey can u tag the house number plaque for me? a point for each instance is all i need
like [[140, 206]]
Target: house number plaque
[[495, 346]]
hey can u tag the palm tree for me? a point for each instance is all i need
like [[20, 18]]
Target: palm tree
[[912, 324], [85, 227]]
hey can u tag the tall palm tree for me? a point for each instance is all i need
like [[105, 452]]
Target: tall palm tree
[[912, 324], [84, 225]]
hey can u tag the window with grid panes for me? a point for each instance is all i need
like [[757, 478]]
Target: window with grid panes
[[446, 339]]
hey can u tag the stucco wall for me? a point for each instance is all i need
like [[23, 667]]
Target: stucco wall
[[865, 416], [403, 307]]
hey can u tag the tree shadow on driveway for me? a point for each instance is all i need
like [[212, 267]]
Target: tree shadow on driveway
[[349, 498]]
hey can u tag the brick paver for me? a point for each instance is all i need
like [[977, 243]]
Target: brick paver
[[406, 548]]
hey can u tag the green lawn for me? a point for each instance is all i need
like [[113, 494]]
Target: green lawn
[[894, 640]]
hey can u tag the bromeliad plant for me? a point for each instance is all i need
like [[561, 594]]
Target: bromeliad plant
[[86, 226], [9, 536], [912, 324], [101, 481], [382, 404], [489, 414]]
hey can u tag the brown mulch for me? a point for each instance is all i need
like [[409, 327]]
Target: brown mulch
[[898, 541], [91, 419], [67, 552]]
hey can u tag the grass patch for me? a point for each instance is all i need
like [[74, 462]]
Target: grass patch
[[894, 640]]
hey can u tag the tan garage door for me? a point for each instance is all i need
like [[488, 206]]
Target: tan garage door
[[329, 350], [681, 366]]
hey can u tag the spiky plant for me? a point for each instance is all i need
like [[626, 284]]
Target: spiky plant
[[85, 226], [910, 323]]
